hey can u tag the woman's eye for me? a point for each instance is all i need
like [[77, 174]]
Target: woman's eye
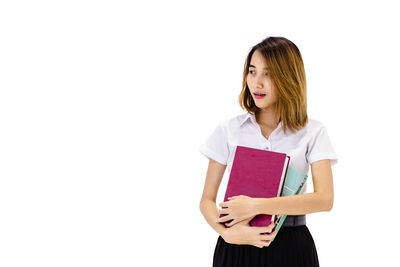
[[251, 72]]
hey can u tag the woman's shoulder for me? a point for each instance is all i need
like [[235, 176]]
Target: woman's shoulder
[[314, 126], [235, 121], [314, 123]]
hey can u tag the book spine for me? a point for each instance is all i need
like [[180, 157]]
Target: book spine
[[284, 179]]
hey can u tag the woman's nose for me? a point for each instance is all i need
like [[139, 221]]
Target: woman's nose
[[259, 81]]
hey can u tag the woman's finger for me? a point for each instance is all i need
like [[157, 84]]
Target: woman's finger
[[224, 218], [268, 236], [265, 243], [223, 211], [245, 221], [273, 234], [231, 223], [266, 229], [261, 244]]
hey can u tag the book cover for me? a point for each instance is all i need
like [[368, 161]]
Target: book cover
[[257, 173], [294, 182]]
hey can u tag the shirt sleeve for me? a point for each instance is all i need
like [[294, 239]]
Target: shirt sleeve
[[320, 147], [216, 146]]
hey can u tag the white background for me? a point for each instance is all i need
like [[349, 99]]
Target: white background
[[104, 104]]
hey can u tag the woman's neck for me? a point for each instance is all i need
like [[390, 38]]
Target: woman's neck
[[267, 118]]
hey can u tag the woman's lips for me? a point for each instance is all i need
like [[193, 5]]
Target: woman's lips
[[259, 96]]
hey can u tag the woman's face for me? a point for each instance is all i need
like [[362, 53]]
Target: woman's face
[[259, 81]]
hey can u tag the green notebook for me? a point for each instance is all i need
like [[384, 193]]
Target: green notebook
[[294, 182]]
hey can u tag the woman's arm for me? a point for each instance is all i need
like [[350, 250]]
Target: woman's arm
[[320, 200], [210, 212], [208, 207], [241, 233]]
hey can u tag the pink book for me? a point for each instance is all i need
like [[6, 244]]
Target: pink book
[[257, 173]]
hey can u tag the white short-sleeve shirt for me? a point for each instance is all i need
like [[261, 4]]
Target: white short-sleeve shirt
[[305, 146]]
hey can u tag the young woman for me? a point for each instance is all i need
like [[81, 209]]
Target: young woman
[[274, 96]]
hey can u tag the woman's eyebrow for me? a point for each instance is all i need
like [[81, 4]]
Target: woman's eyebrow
[[266, 68]]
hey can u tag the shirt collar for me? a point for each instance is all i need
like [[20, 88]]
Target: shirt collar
[[248, 116], [252, 117]]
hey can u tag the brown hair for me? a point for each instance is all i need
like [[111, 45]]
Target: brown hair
[[288, 77]]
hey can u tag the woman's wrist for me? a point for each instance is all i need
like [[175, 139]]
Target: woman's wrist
[[259, 204]]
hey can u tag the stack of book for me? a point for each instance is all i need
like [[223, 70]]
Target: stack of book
[[262, 173]]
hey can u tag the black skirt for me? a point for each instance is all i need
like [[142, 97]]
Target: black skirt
[[292, 247]]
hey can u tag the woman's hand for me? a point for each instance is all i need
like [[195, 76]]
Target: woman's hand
[[244, 234], [237, 208]]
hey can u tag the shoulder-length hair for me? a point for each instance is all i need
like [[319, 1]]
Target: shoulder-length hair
[[288, 77]]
